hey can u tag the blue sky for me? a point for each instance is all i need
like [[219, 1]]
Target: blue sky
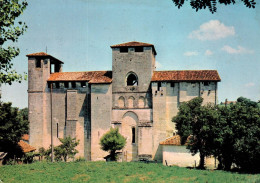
[[80, 32]]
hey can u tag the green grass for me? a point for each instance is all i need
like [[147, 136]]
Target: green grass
[[115, 172]]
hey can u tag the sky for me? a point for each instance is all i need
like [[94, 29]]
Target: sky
[[80, 33]]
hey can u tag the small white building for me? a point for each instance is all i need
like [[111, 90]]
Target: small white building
[[176, 154]]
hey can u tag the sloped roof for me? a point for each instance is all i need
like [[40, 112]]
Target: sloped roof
[[91, 76], [186, 75], [26, 147], [134, 44], [174, 140], [43, 54]]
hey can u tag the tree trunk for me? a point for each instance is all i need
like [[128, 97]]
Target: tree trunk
[[202, 161], [113, 155], [220, 163]]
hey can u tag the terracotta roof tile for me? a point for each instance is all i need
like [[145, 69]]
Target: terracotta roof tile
[[25, 137], [175, 140], [26, 147], [133, 43], [186, 75], [38, 54], [91, 76]]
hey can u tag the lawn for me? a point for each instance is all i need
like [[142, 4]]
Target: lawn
[[115, 172]]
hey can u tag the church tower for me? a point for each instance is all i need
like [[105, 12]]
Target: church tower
[[40, 66], [133, 66]]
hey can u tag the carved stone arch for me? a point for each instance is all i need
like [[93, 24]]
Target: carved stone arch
[[131, 102], [130, 131], [141, 102], [131, 79], [121, 102]]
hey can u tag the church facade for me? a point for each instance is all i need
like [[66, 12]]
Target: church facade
[[133, 97]]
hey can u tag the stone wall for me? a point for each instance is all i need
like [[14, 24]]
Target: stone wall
[[101, 105]]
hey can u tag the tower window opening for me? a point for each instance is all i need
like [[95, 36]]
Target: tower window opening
[[133, 135], [172, 84], [73, 84], [52, 68], [57, 130], [139, 49], [159, 85], [83, 84], [206, 83], [132, 80], [66, 84], [38, 63], [57, 85], [124, 50]]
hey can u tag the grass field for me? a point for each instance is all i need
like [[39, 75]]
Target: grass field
[[115, 172]]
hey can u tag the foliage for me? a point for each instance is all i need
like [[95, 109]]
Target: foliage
[[12, 128], [112, 141], [41, 152], [231, 134], [195, 120], [64, 151], [212, 4], [10, 31], [115, 172]]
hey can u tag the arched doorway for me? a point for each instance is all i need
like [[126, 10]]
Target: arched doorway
[[130, 131]]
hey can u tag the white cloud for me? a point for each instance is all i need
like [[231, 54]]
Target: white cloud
[[250, 84], [208, 52], [191, 53], [158, 65], [239, 50], [212, 30]]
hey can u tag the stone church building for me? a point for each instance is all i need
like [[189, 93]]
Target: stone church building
[[133, 97]]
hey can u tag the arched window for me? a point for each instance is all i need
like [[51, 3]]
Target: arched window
[[131, 79], [141, 102], [131, 102], [121, 102]]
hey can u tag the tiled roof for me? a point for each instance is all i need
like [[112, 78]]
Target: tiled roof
[[38, 54], [43, 54], [134, 44], [129, 44], [175, 141], [91, 76], [26, 147], [186, 75], [25, 137]]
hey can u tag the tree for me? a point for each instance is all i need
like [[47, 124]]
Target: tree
[[11, 129], [10, 31], [66, 149], [112, 141], [212, 4], [195, 121]]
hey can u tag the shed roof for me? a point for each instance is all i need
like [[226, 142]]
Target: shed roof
[[174, 140], [186, 75], [91, 76], [43, 54], [26, 147]]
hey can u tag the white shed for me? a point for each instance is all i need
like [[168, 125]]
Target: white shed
[[176, 154]]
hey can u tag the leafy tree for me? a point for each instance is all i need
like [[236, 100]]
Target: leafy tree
[[112, 141], [11, 130], [10, 31], [66, 149], [212, 4], [195, 120]]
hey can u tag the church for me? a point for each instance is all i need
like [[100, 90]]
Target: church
[[133, 97]]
